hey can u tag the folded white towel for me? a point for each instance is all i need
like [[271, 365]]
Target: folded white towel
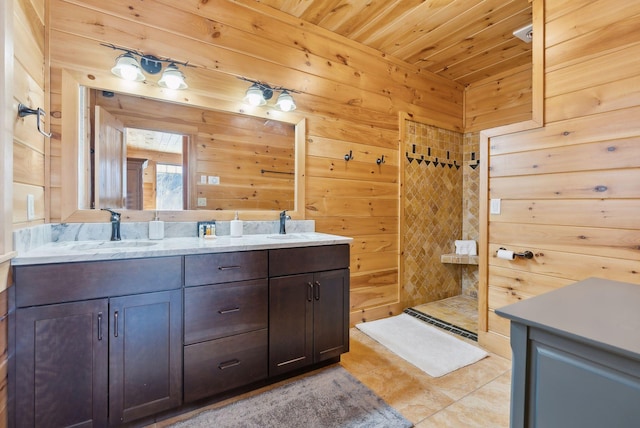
[[466, 247]]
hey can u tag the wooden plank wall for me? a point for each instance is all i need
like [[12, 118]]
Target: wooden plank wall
[[570, 190], [350, 95], [499, 100], [29, 175], [29, 148]]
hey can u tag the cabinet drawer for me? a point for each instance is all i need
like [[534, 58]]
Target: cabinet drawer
[[223, 364], [217, 268], [219, 310], [66, 282], [290, 261]]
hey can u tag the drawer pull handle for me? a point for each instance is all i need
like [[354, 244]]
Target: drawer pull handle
[[228, 311], [229, 364], [317, 291], [295, 360], [115, 324], [309, 292], [228, 267], [99, 325]]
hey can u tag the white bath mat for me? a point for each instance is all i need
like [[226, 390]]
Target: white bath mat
[[431, 350]]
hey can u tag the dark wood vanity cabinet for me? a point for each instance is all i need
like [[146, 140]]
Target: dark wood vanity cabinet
[[113, 342], [225, 322], [145, 355], [62, 365], [85, 358], [308, 306]]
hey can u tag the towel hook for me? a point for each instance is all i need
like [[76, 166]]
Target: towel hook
[[23, 111], [380, 160], [348, 156]]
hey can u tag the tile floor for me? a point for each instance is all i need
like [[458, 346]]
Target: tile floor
[[461, 311], [476, 396]]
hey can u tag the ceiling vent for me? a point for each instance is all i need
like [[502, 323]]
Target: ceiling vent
[[525, 33]]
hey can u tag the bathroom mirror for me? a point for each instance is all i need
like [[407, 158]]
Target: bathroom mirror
[[229, 161]]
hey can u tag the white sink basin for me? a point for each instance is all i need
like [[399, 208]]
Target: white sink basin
[[110, 245], [285, 236]]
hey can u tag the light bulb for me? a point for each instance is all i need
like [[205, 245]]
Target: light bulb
[[285, 102], [254, 96], [129, 72], [172, 78], [127, 68]]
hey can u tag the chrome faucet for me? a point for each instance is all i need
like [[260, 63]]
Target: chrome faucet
[[283, 218], [115, 224]]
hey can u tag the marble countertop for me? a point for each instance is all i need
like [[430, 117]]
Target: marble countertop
[[77, 251]]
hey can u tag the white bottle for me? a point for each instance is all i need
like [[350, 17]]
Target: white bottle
[[156, 228], [236, 227]]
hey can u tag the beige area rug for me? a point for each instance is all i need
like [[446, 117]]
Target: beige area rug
[[428, 348], [331, 398]]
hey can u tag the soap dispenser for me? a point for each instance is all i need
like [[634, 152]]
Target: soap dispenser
[[156, 228], [236, 227]]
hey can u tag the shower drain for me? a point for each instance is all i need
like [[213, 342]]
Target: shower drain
[[442, 324]]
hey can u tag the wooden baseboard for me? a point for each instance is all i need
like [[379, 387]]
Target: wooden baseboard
[[371, 314], [496, 343]]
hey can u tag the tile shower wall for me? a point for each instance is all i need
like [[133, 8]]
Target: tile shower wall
[[433, 177], [441, 205], [470, 207]]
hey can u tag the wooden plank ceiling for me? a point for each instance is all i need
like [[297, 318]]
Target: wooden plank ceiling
[[462, 40]]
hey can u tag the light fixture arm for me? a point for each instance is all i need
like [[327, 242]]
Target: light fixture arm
[[259, 93], [149, 63], [265, 86]]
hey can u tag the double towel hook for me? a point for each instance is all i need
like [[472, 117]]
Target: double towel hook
[[23, 111]]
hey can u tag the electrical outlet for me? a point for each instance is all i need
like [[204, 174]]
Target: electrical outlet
[[31, 207], [202, 202], [214, 180]]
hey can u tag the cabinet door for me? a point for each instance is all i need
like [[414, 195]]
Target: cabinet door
[[330, 314], [290, 323], [61, 365], [145, 355]]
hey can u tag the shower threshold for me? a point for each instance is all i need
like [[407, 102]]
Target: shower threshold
[[436, 322]]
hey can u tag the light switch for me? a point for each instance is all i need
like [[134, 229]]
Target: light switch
[[494, 206], [202, 202], [203, 179]]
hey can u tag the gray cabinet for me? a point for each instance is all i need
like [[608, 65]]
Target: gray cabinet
[[576, 357]]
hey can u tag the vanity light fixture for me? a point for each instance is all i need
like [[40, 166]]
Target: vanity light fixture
[[127, 67], [259, 93], [172, 78], [285, 101]]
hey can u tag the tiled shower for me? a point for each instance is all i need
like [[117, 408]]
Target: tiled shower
[[441, 184]]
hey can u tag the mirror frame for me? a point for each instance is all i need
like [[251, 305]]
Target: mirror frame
[[73, 81]]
